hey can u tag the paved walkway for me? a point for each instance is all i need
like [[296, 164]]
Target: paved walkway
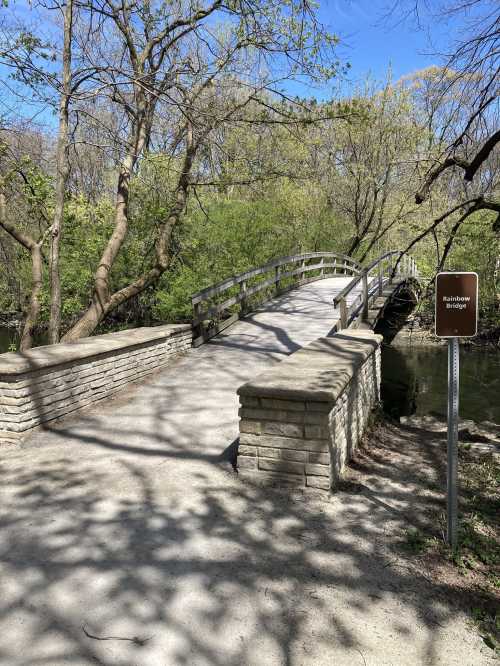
[[125, 541]]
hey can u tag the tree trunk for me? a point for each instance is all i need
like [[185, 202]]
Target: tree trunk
[[34, 307], [355, 243], [449, 243], [99, 305], [62, 179], [14, 283], [35, 249], [102, 302]]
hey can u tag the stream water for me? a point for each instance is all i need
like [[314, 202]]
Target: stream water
[[414, 380], [10, 336]]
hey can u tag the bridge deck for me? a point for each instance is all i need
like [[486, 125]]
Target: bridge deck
[[191, 408], [119, 521]]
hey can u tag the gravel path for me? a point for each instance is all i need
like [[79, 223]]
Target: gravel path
[[125, 540]]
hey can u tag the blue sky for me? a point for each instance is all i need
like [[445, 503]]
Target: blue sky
[[371, 41], [374, 39]]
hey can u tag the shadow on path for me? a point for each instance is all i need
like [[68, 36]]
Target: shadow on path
[[125, 522], [213, 571]]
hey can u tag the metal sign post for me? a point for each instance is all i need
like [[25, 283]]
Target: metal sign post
[[452, 450], [456, 316]]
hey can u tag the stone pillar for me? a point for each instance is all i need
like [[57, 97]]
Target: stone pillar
[[302, 420]]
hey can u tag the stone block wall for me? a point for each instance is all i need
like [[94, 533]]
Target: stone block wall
[[49, 382], [302, 420]]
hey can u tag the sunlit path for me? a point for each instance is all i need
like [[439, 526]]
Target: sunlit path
[[125, 521]]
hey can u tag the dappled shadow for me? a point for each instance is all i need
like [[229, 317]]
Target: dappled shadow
[[207, 569], [128, 522], [404, 467]]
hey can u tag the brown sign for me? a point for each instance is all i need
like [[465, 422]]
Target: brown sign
[[456, 305]]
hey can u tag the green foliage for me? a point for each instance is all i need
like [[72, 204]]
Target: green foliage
[[267, 189], [488, 624], [86, 228], [477, 248], [235, 235], [415, 541]]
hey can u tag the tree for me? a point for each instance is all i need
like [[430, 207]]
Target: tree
[[24, 215], [466, 92], [366, 166], [62, 175], [179, 63], [159, 78], [30, 60]]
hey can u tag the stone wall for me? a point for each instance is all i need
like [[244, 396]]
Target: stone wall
[[49, 382], [302, 420]]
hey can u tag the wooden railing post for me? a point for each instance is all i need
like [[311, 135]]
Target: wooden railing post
[[277, 277], [343, 313], [243, 291], [215, 303], [380, 279], [198, 328], [365, 295]]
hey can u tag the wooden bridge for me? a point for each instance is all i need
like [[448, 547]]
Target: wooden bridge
[[361, 302], [302, 420]]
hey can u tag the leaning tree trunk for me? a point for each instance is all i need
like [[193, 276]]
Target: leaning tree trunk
[[99, 308], [102, 301], [100, 304], [33, 311], [35, 249], [355, 243], [62, 179]]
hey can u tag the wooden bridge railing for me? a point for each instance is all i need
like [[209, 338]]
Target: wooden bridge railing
[[273, 278], [387, 266]]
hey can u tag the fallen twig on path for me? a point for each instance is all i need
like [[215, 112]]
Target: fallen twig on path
[[135, 640]]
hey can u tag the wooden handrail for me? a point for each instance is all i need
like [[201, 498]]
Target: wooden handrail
[[214, 290], [365, 270], [326, 260], [409, 268]]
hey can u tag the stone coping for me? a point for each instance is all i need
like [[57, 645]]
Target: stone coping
[[16, 363], [319, 371]]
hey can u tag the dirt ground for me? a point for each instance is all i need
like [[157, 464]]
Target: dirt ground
[[470, 578]]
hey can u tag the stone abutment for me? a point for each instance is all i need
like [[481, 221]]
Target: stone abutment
[[302, 420], [49, 382]]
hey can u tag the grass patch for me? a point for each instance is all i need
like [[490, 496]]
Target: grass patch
[[416, 542], [475, 566]]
